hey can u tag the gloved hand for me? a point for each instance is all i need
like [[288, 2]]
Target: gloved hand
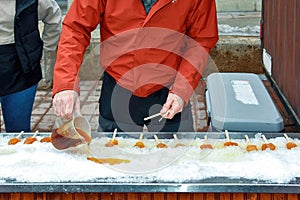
[[174, 104], [65, 103]]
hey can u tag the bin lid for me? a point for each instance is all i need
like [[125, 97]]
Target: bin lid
[[240, 102]]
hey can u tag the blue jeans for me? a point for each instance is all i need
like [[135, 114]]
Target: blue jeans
[[17, 108]]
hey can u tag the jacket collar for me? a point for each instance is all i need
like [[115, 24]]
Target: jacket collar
[[156, 7]]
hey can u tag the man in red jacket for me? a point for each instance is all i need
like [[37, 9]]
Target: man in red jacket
[[152, 52]]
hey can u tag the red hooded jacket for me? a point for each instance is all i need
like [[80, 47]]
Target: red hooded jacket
[[143, 53]]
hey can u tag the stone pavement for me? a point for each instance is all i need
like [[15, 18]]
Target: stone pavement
[[43, 118]]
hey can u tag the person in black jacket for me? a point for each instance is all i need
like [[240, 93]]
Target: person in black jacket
[[21, 49]]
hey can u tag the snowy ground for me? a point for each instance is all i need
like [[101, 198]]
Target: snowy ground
[[225, 29], [239, 23]]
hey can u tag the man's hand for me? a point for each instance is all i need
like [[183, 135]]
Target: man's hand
[[65, 102], [173, 105]]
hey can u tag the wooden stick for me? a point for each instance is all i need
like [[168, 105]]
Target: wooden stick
[[141, 136], [152, 116], [265, 139], [227, 135], [205, 138], [21, 133], [114, 135], [164, 115], [156, 139], [286, 137], [35, 134], [247, 138], [175, 136]]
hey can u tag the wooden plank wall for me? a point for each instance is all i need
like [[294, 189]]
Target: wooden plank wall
[[147, 196], [281, 39]]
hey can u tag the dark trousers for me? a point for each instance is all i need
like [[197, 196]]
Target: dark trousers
[[120, 109]]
